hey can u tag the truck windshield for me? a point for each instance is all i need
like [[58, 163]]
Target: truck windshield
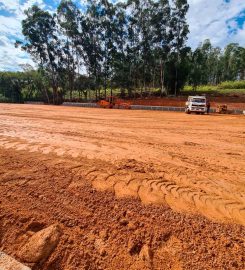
[[199, 100]]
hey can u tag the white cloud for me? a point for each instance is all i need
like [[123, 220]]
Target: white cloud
[[10, 26], [10, 30], [10, 57], [17, 6], [210, 20]]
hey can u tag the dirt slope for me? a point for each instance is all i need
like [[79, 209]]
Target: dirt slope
[[233, 103], [90, 170]]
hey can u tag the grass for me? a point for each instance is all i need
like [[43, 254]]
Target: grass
[[221, 89]]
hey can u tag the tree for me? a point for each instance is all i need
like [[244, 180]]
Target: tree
[[132, 45], [68, 17], [43, 44], [179, 31], [233, 62], [160, 21]]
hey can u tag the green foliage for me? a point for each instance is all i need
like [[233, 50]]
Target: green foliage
[[201, 88], [137, 44], [4, 99], [133, 48], [229, 87], [211, 65], [43, 44], [232, 85]]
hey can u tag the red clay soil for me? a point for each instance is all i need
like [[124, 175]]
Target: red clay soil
[[129, 189], [100, 231], [232, 102]]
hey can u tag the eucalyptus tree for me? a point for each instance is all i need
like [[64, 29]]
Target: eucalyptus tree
[[132, 49], [130, 45], [162, 38], [121, 61], [179, 33], [68, 18], [43, 44], [146, 40], [195, 74], [233, 62], [108, 26], [91, 44], [214, 66], [140, 36]]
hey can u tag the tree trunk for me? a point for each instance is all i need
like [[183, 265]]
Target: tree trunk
[[46, 94], [176, 80], [55, 95], [162, 77]]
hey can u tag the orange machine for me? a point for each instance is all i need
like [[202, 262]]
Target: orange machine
[[113, 102]]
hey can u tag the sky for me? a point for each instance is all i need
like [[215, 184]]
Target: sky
[[221, 21]]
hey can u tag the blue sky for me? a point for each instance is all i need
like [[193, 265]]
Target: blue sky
[[222, 21]]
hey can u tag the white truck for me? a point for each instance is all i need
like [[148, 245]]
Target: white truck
[[196, 104]]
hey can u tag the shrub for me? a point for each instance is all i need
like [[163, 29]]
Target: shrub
[[201, 88], [4, 99], [232, 85]]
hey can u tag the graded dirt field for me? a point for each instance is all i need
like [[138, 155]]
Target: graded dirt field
[[129, 189]]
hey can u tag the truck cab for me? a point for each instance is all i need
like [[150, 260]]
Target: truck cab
[[196, 104]]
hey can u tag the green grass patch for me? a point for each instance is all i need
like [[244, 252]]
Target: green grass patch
[[223, 88], [232, 85]]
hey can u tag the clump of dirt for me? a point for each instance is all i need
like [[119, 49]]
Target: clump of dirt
[[135, 166], [101, 231]]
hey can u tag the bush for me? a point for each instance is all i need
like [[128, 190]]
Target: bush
[[3, 99], [201, 88], [229, 86], [232, 85]]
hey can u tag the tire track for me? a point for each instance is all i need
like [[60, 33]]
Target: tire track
[[162, 191], [182, 188]]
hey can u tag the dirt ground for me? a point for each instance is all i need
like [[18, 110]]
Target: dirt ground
[[130, 189]]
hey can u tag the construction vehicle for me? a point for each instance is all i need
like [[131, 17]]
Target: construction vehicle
[[222, 109], [113, 102], [196, 104]]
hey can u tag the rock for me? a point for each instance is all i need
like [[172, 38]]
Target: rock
[[9, 263], [41, 244], [145, 253], [100, 247]]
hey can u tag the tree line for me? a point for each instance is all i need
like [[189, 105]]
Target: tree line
[[135, 45], [211, 65]]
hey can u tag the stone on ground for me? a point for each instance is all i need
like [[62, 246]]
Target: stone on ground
[[41, 244], [9, 263]]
